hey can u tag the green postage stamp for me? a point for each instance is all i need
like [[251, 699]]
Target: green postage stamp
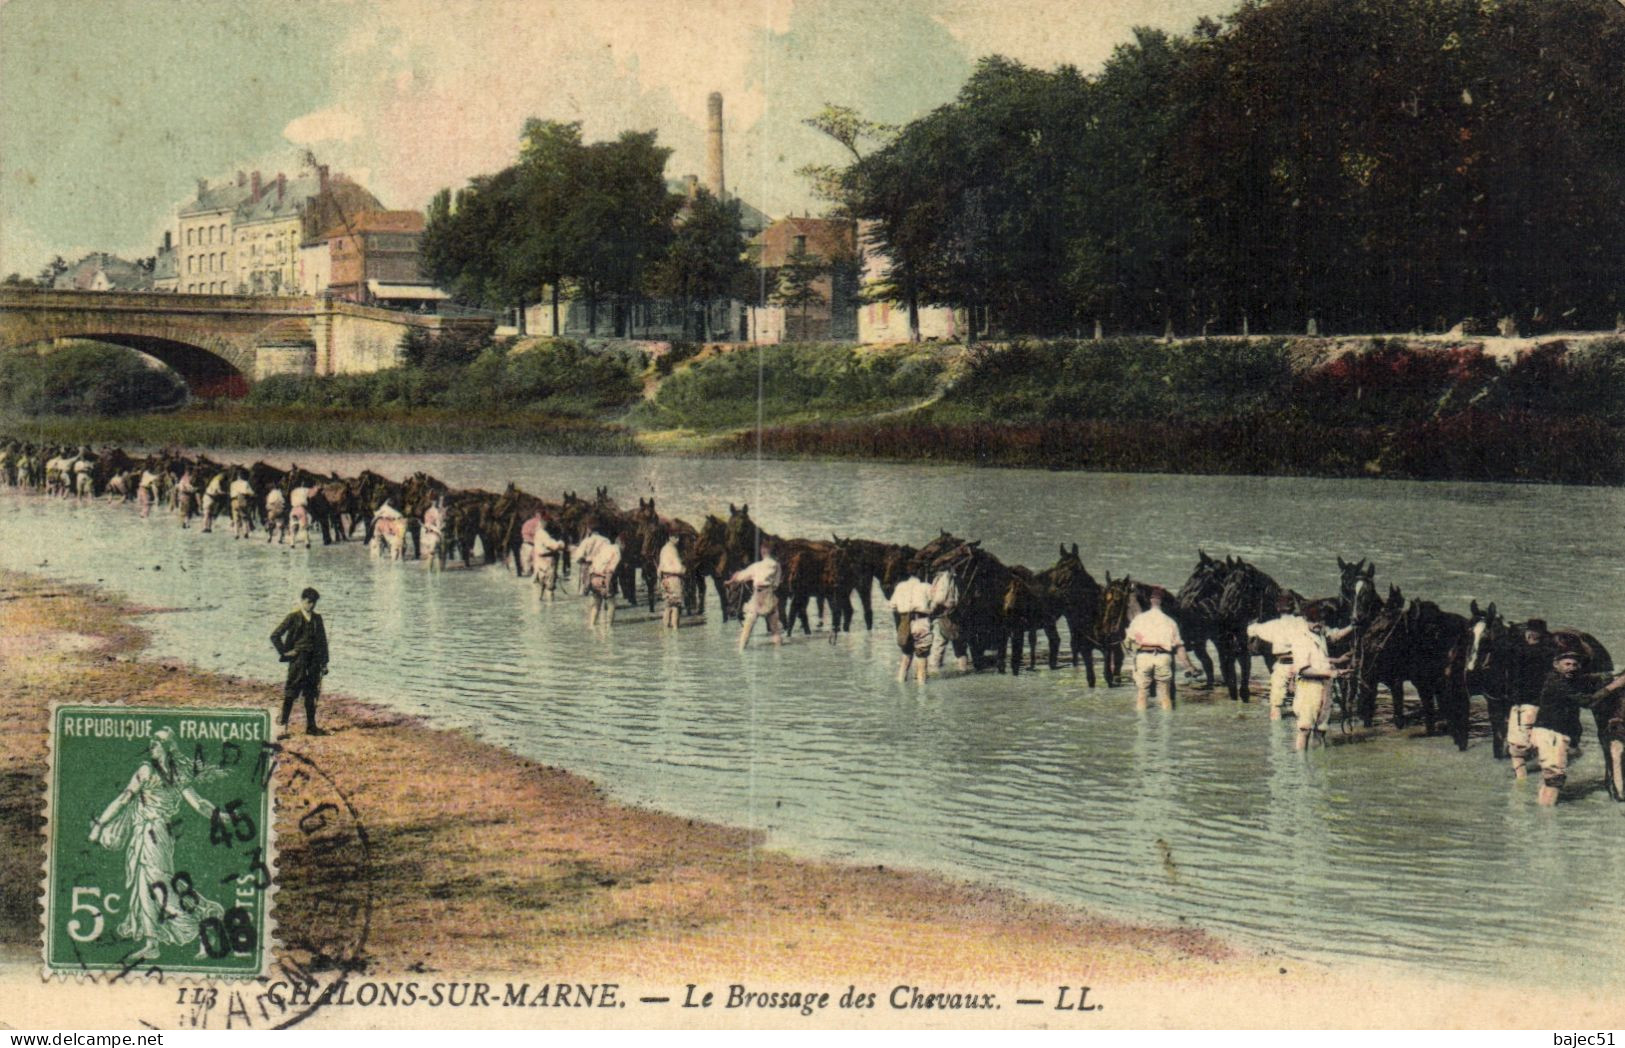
[[160, 841]]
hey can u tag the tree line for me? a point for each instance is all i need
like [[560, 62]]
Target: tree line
[[1352, 165], [596, 221]]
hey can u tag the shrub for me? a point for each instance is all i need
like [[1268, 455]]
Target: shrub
[[86, 379]]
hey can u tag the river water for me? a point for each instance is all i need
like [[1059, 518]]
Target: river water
[[1397, 850]]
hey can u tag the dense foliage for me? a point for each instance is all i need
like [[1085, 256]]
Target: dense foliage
[[86, 379], [1555, 415], [795, 380], [556, 377], [594, 218], [1367, 164]]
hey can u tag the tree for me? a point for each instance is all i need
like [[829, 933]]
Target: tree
[[53, 269], [797, 286], [620, 220], [549, 155], [705, 260]]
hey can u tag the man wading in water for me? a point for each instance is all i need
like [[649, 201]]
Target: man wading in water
[[1557, 723], [301, 641], [1156, 641], [763, 577]]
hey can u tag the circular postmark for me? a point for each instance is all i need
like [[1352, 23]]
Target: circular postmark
[[321, 879]]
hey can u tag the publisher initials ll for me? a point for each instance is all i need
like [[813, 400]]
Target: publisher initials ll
[[1062, 1004]]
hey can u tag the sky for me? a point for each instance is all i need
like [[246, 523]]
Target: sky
[[110, 110]]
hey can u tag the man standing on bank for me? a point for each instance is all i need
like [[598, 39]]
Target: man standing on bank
[[301, 641]]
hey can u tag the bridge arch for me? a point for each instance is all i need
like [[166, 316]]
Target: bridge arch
[[206, 371]]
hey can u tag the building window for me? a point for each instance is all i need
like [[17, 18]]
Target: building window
[[800, 245]]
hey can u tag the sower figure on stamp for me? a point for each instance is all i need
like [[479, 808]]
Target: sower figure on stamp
[[143, 821], [301, 641]]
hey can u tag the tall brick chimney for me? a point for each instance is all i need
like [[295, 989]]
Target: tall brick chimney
[[713, 172], [254, 187], [321, 174], [281, 186]]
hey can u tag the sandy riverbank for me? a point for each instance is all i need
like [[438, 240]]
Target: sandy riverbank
[[489, 865]]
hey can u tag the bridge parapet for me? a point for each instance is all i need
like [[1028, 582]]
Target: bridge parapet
[[158, 301], [251, 336]]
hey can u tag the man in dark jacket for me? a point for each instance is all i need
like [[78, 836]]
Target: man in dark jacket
[[1557, 725], [1531, 663], [301, 641]]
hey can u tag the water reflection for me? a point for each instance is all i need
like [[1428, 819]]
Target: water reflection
[[1399, 850]]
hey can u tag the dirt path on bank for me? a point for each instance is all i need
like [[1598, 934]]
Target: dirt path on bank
[[485, 863]]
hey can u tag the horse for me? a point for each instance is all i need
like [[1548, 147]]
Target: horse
[[1196, 608], [1075, 594], [820, 571], [868, 560], [1424, 645], [1491, 657], [981, 618], [1119, 603], [1028, 609], [648, 537], [1356, 592]]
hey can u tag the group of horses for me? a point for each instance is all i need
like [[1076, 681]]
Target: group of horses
[[1002, 608]]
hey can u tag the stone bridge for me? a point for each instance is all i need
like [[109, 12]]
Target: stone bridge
[[221, 344]]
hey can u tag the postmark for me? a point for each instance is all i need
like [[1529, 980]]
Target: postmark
[[160, 842]]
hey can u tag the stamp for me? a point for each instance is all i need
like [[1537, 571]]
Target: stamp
[[160, 842]]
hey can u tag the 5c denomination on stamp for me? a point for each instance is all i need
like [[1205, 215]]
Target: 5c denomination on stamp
[[159, 855]]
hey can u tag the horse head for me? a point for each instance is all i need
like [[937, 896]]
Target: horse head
[[1203, 590], [1357, 589], [1490, 637], [744, 536], [1115, 600], [894, 565]]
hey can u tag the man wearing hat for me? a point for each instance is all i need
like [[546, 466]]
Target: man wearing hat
[[1531, 662], [1156, 639], [1315, 671], [1557, 723], [1282, 634]]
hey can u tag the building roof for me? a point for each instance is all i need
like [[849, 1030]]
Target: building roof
[[223, 197], [387, 291], [120, 274], [378, 222], [826, 238]]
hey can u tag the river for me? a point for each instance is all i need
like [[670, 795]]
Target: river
[[1399, 850]]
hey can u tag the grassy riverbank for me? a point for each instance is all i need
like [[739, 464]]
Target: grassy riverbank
[[1438, 409]]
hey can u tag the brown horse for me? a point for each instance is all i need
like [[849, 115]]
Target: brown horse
[[1075, 595]]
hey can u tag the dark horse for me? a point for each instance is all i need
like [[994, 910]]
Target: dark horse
[[1075, 595], [1217, 603], [1424, 645], [1356, 592], [1492, 653], [1120, 601], [981, 619]]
